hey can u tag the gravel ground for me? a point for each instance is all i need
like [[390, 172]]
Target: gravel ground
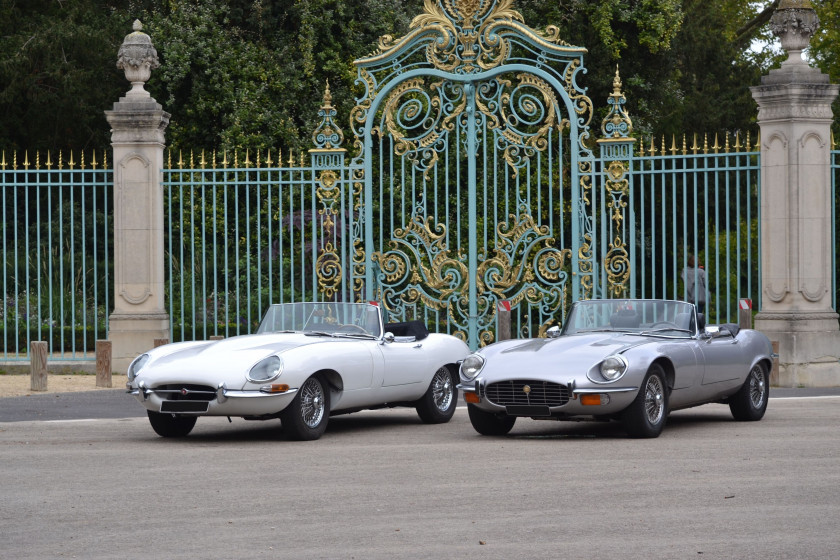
[[19, 385]]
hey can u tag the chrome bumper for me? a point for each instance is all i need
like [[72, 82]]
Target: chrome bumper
[[222, 392]]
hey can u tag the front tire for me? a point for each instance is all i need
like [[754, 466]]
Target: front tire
[[750, 402], [646, 415], [171, 425], [489, 424], [305, 419], [438, 404]]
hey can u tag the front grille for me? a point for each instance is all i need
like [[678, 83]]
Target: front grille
[[185, 392], [507, 393]]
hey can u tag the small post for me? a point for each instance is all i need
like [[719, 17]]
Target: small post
[[38, 365], [774, 370], [745, 313], [503, 320], [160, 342], [103, 363]]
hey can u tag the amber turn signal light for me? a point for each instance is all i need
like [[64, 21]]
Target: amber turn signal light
[[278, 388], [594, 400], [472, 398]]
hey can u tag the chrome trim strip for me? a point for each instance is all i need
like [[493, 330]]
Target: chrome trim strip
[[256, 394], [598, 390]]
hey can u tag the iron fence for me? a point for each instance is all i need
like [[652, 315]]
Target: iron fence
[[56, 254]]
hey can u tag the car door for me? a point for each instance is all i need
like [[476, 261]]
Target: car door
[[725, 359], [405, 360]]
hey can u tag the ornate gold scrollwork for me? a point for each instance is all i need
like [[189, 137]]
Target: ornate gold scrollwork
[[617, 261], [329, 271]]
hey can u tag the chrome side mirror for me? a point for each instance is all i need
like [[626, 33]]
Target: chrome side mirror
[[712, 331], [388, 337], [553, 332]]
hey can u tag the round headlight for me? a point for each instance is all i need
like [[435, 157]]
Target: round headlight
[[268, 369], [613, 367], [471, 366], [135, 366]]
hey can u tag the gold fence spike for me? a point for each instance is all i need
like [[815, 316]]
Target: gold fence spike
[[247, 161], [224, 159], [705, 143], [3, 161], [726, 144], [26, 163], [105, 159], [716, 147], [203, 161], [684, 146], [93, 163], [71, 164], [49, 162], [737, 142], [268, 161], [37, 160], [192, 160], [291, 158], [652, 147], [60, 160], [301, 159], [82, 163], [673, 145], [642, 148], [833, 145], [258, 159]]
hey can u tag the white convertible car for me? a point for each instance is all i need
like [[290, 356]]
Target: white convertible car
[[306, 361]]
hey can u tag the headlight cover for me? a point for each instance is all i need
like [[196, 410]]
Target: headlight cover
[[613, 367], [266, 370], [471, 366], [135, 366]]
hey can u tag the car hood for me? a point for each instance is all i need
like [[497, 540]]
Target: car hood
[[572, 353], [220, 359]]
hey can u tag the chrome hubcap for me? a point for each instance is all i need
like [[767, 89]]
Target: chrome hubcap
[[757, 387], [654, 400], [442, 390], [312, 403]]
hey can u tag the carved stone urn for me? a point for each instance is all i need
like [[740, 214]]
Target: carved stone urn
[[137, 58], [794, 22]]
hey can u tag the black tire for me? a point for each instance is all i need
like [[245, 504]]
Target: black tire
[[305, 419], [438, 404], [646, 415], [489, 424], [171, 425], [750, 402]]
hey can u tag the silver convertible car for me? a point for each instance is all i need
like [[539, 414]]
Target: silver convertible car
[[305, 362], [627, 360]]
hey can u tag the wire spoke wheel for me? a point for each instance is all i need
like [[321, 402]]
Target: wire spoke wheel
[[312, 403], [442, 389], [757, 386], [654, 399]]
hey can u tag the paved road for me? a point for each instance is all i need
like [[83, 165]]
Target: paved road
[[383, 485], [117, 404]]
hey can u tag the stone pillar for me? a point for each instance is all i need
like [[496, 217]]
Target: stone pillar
[[796, 252], [137, 136]]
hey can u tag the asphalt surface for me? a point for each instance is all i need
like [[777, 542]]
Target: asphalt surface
[[383, 485], [117, 403]]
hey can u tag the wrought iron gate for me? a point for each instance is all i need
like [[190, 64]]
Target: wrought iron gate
[[473, 168]]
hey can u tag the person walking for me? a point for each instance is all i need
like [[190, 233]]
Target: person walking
[[695, 285]]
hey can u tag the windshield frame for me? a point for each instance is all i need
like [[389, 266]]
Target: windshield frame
[[347, 320], [640, 317]]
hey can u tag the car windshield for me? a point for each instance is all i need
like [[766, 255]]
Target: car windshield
[[333, 319], [645, 317]]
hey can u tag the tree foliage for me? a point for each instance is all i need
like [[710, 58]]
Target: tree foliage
[[248, 73]]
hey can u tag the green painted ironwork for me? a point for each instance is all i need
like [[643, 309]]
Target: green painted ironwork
[[470, 133], [56, 254]]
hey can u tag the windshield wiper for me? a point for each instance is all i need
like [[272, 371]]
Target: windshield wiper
[[666, 329], [363, 336], [598, 330], [319, 333]]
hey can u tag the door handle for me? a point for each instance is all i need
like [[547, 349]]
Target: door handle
[[417, 346]]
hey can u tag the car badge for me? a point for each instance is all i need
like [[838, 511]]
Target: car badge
[[184, 391], [526, 389]]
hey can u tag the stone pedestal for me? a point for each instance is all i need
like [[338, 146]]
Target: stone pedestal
[[137, 136], [796, 251]]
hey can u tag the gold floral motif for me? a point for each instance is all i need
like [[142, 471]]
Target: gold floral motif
[[328, 269]]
